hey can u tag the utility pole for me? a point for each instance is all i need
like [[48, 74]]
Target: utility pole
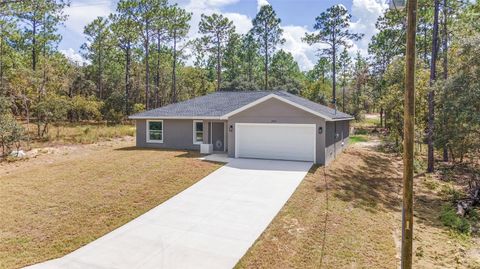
[[408, 129]]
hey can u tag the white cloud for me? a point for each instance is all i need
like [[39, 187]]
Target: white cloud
[[261, 3], [208, 7], [73, 56], [203, 4], [198, 7], [303, 53], [82, 14], [242, 23], [366, 13]]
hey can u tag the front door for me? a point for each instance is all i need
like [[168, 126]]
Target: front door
[[218, 136]]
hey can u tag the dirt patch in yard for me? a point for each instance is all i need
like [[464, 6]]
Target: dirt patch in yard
[[56, 203]]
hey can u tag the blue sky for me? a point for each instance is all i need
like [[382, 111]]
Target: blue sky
[[297, 18]]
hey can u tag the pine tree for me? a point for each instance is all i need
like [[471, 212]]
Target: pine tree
[[332, 27], [268, 33]]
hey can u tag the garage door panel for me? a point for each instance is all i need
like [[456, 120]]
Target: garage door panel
[[276, 141]]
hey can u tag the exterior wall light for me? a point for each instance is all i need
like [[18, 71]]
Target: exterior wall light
[[320, 130], [230, 128]]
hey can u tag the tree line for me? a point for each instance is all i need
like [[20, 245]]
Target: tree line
[[447, 115], [142, 57]]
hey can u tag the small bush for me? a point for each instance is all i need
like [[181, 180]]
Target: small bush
[[138, 108], [450, 193], [449, 218], [447, 173], [418, 165], [359, 131], [114, 116], [83, 108], [431, 184]]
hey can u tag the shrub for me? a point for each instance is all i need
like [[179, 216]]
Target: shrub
[[361, 131], [114, 116], [449, 218], [83, 108], [418, 165], [113, 108], [431, 184], [138, 108], [51, 109], [450, 192], [11, 132]]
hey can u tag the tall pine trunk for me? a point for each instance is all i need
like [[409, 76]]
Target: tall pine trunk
[[1, 62], [174, 75], [99, 74], [127, 79], [147, 65], [431, 93], [334, 71], [34, 44], [157, 75], [219, 65], [445, 71], [265, 39]]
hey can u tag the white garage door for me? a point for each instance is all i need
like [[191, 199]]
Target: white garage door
[[275, 141]]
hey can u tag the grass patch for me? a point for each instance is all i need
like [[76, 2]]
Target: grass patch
[[431, 184], [83, 133], [343, 222], [50, 208], [367, 121], [448, 191], [358, 138], [449, 218]]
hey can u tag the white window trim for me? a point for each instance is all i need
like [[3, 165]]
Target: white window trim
[[148, 132], [195, 142]]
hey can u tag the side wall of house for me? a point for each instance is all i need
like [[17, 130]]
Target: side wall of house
[[276, 111], [177, 134], [336, 139]]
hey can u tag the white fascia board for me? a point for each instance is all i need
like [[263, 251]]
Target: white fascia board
[[342, 119], [174, 117]]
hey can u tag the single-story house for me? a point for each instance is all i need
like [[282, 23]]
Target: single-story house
[[247, 124]]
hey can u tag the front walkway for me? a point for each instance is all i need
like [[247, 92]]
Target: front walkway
[[209, 225]]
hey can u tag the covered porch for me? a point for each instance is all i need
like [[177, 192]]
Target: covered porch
[[215, 137]]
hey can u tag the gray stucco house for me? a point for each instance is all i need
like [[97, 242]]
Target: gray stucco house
[[247, 124]]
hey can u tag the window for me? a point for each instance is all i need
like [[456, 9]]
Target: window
[[155, 131], [197, 132]]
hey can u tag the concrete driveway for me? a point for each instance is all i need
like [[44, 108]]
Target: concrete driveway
[[209, 225]]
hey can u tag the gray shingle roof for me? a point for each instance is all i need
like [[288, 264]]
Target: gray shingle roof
[[221, 103]]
